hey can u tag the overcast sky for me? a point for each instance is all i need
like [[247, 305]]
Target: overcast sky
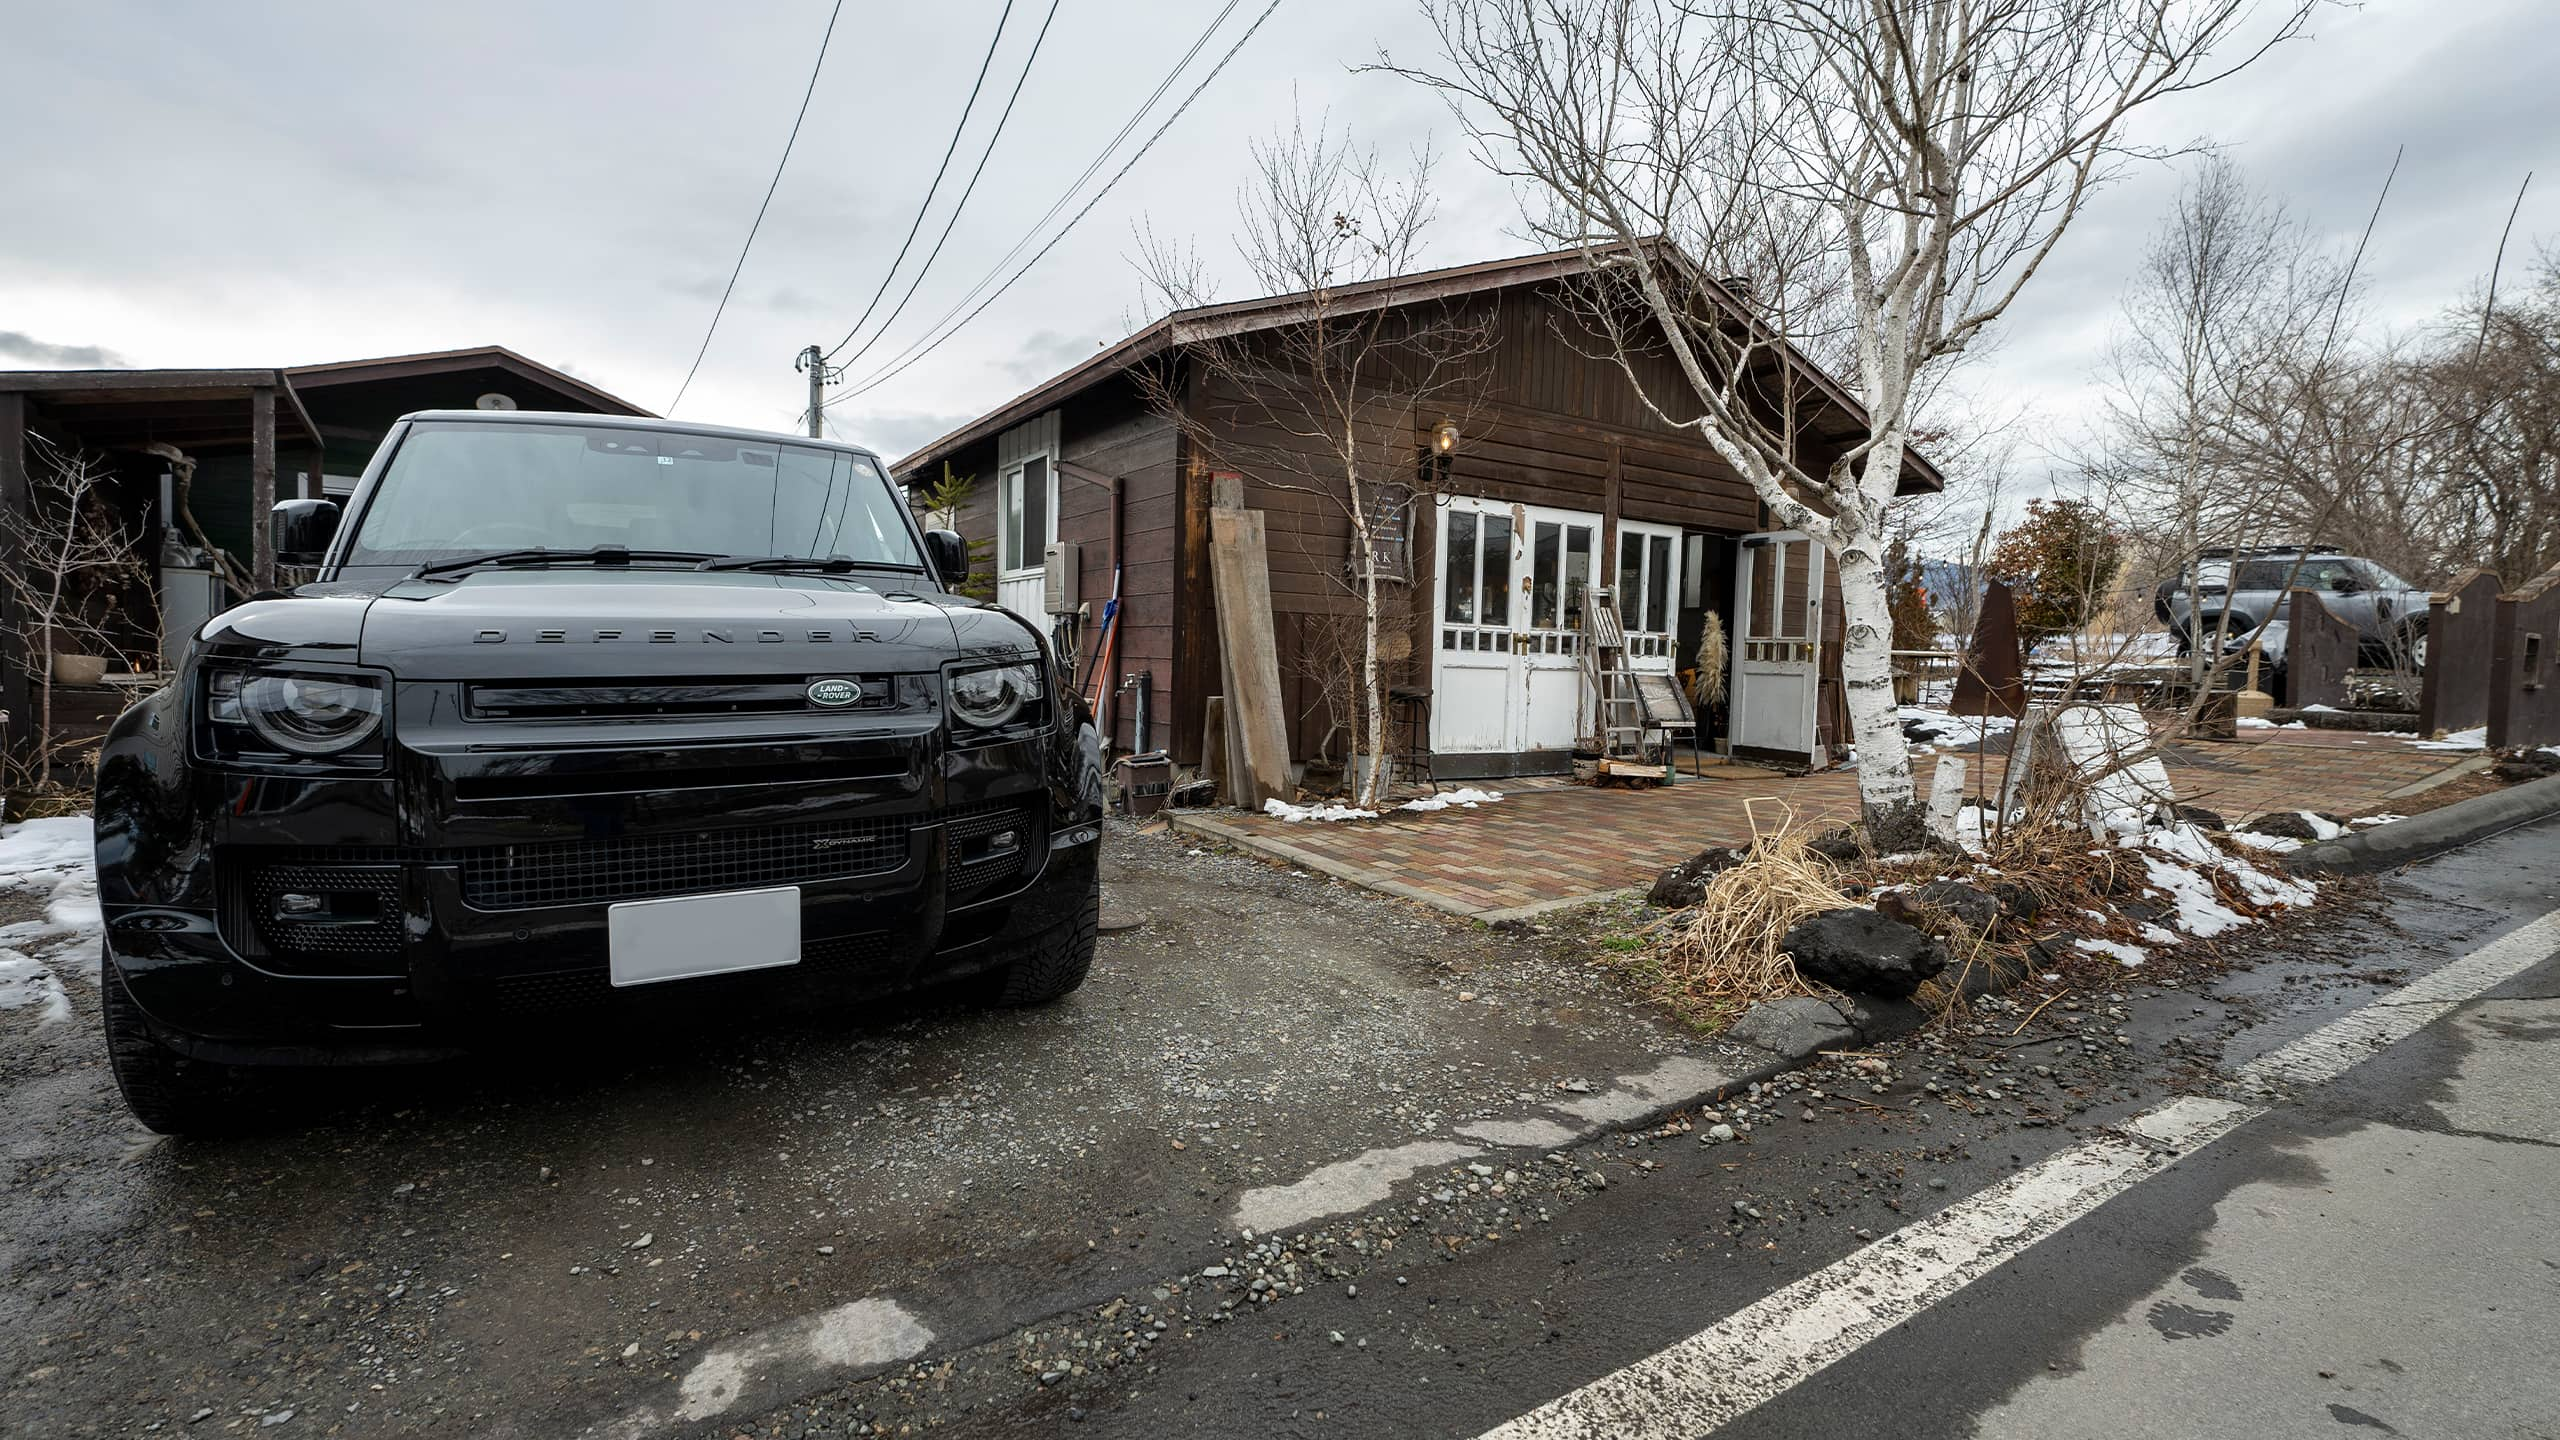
[[270, 183]]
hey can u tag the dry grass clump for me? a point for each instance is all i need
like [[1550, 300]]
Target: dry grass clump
[[1720, 956]]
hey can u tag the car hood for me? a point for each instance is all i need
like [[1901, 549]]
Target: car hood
[[563, 624]]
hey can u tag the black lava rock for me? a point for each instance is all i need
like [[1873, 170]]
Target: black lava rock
[[2188, 814], [1840, 845], [1685, 884], [1976, 909], [1859, 950], [2021, 901], [2284, 825]]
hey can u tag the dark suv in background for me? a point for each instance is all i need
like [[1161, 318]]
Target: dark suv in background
[[584, 716], [2241, 590]]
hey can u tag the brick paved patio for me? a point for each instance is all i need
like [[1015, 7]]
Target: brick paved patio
[[1549, 842]]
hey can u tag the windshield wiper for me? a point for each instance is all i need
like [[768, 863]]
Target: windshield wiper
[[830, 564], [592, 555]]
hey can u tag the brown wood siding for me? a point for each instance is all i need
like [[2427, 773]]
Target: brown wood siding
[[1549, 429], [1112, 434]]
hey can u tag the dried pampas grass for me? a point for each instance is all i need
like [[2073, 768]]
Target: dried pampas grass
[[1721, 955]]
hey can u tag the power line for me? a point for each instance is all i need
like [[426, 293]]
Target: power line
[[924, 347], [1091, 168], [770, 186], [936, 187], [957, 206]]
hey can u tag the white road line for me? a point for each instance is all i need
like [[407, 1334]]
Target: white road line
[[2328, 1052], [1764, 1350]]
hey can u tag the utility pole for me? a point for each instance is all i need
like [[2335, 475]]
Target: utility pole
[[813, 363]]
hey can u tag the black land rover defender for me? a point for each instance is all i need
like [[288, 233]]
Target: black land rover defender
[[584, 716]]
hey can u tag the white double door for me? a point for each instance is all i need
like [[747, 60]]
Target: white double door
[[1507, 651]]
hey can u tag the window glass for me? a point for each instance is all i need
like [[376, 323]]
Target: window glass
[[1546, 553], [1657, 584], [1577, 573], [1497, 570], [1763, 560], [1460, 567], [456, 488], [1630, 580]]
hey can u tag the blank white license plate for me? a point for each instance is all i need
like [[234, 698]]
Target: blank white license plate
[[654, 940]]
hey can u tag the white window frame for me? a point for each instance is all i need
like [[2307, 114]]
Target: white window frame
[[1015, 567]]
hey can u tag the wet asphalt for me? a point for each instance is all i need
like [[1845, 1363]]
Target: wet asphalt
[[930, 1218]]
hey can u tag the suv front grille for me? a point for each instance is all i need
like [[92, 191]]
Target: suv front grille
[[574, 872]]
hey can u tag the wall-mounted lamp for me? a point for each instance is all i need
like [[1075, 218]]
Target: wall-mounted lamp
[[1445, 439]]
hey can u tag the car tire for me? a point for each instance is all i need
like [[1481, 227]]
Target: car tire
[[165, 1090], [1056, 961]]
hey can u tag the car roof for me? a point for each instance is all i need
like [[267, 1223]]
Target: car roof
[[640, 422]]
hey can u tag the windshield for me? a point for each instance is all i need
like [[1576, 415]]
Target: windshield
[[457, 488]]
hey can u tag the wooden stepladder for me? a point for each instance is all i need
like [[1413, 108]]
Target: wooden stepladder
[[1634, 712]]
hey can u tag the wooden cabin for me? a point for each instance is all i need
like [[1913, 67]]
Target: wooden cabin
[[1559, 481]]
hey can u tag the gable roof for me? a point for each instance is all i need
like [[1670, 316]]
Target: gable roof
[[1220, 321], [440, 362]]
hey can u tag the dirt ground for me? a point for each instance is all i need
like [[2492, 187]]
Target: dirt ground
[[393, 1252]]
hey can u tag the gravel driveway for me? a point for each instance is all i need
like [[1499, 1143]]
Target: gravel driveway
[[649, 1232]]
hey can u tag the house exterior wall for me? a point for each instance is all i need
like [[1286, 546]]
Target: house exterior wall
[[1104, 432], [1550, 427]]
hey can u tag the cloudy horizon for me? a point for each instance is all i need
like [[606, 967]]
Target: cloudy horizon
[[327, 182]]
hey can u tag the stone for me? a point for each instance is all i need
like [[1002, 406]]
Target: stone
[[2188, 815], [1859, 950], [1975, 908], [2526, 765], [2284, 825], [1685, 884], [2021, 902], [1792, 1028], [1839, 844]]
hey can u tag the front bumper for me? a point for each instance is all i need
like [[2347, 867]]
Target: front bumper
[[485, 942]]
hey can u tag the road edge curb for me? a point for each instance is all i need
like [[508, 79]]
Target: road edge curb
[[2423, 836]]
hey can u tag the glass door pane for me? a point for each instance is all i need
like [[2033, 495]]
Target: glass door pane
[[1657, 584], [1460, 568], [1577, 573], [1497, 570], [1630, 579], [1545, 558]]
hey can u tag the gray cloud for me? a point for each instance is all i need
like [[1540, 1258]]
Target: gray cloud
[[40, 354], [1048, 352], [893, 434]]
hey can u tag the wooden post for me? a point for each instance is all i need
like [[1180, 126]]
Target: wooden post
[[1242, 572], [262, 485], [1213, 745]]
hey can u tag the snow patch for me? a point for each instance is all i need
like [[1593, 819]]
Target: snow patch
[[2475, 738], [2129, 956], [1465, 798], [52, 857], [1279, 809]]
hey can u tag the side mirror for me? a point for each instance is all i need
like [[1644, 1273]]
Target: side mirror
[[302, 529], [949, 554]]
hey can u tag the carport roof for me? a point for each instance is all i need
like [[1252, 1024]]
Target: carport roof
[[190, 409]]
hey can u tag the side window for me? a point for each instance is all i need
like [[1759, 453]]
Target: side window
[[1024, 527]]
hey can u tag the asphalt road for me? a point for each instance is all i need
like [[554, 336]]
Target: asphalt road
[[935, 1220]]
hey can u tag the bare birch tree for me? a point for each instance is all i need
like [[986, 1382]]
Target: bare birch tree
[[1886, 174], [1340, 399]]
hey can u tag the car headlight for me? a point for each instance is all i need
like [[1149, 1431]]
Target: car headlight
[[994, 695], [300, 713]]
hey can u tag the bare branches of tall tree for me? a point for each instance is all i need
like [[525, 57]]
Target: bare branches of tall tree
[[1767, 178], [1339, 402], [72, 556]]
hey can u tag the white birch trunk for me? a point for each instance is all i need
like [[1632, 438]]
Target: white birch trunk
[[1372, 788], [1886, 793]]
